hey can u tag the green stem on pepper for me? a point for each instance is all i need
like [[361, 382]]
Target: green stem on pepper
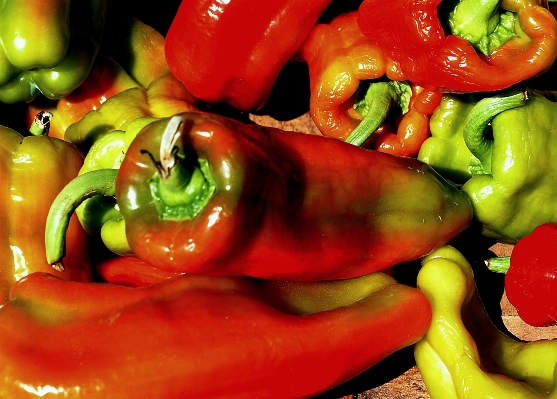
[[499, 264], [482, 24], [41, 124], [376, 105], [87, 185], [184, 183], [478, 120]]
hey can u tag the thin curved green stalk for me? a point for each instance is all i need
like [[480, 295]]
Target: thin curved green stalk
[[378, 101], [87, 185]]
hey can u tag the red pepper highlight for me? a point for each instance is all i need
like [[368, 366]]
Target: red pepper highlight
[[531, 276], [233, 51], [200, 337]]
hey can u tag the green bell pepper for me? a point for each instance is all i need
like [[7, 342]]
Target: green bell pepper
[[502, 150], [514, 136], [47, 46], [446, 150], [463, 354]]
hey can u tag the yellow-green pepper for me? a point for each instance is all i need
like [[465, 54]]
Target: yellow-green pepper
[[463, 354], [47, 46]]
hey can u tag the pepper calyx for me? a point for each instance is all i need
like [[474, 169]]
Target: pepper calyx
[[482, 24], [184, 183]]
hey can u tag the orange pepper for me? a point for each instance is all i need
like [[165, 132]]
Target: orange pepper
[[339, 58]]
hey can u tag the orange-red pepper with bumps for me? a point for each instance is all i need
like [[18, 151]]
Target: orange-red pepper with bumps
[[33, 170], [196, 336], [411, 33], [233, 51], [343, 65]]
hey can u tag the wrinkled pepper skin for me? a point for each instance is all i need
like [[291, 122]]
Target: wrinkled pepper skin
[[514, 192], [32, 172], [170, 340], [48, 46], [531, 275], [341, 60], [283, 205], [233, 51], [411, 33], [463, 354], [339, 56], [445, 151]]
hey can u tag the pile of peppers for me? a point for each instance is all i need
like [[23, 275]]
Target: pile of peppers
[[159, 243]]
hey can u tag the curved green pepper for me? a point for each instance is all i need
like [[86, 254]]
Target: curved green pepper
[[463, 354], [47, 46]]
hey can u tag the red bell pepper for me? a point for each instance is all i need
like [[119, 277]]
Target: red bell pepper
[[410, 32], [202, 193], [531, 276], [233, 51], [201, 337]]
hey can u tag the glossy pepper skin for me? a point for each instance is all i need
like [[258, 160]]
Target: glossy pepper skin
[[105, 134], [531, 272], [411, 33], [463, 354], [134, 60], [275, 204], [233, 51], [170, 340], [446, 151], [33, 169], [344, 65], [48, 46], [512, 136]]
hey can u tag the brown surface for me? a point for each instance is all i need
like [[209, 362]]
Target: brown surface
[[397, 377]]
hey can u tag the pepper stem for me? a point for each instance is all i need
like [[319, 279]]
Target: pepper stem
[[87, 185], [478, 120], [41, 124], [499, 264], [184, 183], [375, 106]]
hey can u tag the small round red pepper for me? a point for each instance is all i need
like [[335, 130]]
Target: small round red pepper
[[531, 276]]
